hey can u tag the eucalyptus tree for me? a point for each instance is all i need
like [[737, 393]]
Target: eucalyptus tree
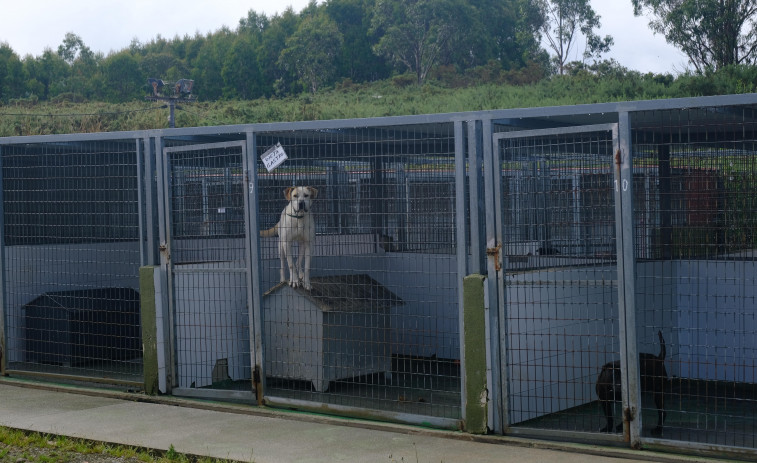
[[565, 22], [711, 33], [415, 34], [312, 51], [356, 60], [12, 76]]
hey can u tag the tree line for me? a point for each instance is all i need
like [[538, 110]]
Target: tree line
[[343, 42]]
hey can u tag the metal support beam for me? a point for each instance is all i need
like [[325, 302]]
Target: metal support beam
[[627, 282]]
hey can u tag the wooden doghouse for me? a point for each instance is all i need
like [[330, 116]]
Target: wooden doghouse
[[337, 330]]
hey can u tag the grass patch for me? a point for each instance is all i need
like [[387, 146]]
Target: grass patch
[[34, 447], [375, 99]]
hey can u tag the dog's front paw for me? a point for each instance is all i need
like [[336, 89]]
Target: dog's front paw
[[306, 285]]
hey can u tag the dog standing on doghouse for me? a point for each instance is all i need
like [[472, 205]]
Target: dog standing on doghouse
[[654, 379], [295, 224]]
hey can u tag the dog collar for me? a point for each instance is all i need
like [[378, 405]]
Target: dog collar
[[295, 216]]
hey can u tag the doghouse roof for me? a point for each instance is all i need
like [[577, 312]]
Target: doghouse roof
[[345, 293], [86, 299]]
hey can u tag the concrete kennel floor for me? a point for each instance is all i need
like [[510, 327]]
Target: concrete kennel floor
[[704, 412]]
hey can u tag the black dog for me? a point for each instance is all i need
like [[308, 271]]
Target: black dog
[[654, 377]]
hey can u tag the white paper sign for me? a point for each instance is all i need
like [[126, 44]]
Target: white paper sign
[[274, 157]]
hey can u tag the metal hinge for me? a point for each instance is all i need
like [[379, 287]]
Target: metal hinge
[[494, 252], [164, 250]]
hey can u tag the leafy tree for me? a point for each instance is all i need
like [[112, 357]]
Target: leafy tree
[[240, 71], [565, 21], [85, 77], [163, 66], [282, 26], [123, 80], [506, 31], [356, 59], [12, 76], [73, 47], [416, 33], [312, 50], [712, 33], [207, 68], [47, 74]]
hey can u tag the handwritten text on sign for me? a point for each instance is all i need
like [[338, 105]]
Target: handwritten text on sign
[[274, 157]]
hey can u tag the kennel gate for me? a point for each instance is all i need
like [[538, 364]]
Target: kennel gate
[[562, 298], [207, 254]]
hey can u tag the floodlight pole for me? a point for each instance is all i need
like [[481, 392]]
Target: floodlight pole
[[182, 91], [171, 108]]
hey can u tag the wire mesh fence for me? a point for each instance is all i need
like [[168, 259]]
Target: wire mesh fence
[[695, 223], [209, 267], [561, 279], [71, 236], [379, 327]]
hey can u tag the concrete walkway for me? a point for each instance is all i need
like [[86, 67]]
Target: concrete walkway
[[263, 435]]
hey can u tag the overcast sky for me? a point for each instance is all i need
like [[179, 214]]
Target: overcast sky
[[30, 26]]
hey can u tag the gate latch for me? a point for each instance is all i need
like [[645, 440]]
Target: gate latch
[[494, 252]]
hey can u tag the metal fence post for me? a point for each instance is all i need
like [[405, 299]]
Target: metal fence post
[[3, 347], [461, 251], [164, 236], [253, 266], [475, 180], [626, 283], [496, 288]]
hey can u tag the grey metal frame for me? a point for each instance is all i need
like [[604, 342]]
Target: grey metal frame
[[126, 138], [459, 176], [3, 344], [171, 271], [626, 281], [495, 207], [475, 141]]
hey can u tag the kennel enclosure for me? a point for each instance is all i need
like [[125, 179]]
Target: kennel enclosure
[[595, 226]]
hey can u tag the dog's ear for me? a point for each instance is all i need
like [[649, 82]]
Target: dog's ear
[[313, 192], [288, 193]]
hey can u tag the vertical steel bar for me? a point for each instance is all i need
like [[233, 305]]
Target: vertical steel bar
[[475, 161], [495, 277], [461, 247], [141, 186], [627, 282], [164, 227], [151, 201], [3, 343], [254, 263]]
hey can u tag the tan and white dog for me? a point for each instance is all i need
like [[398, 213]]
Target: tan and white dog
[[296, 224]]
